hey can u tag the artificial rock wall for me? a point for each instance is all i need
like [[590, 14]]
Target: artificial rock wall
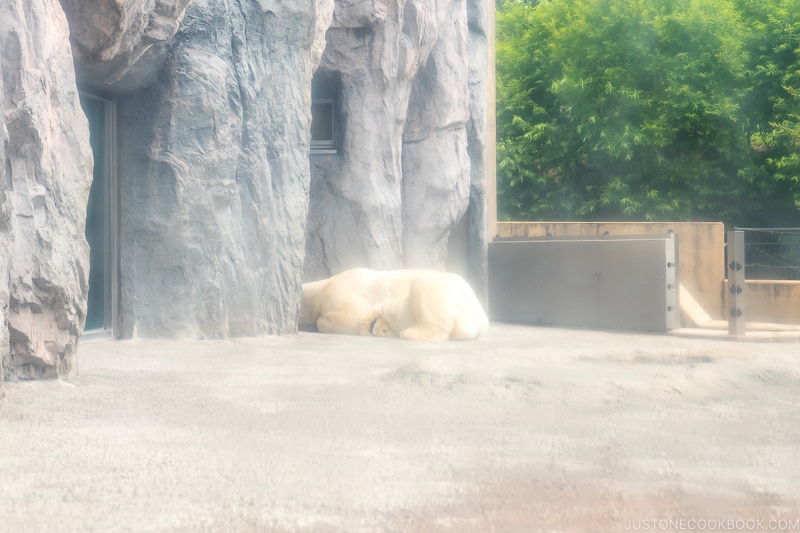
[[46, 176], [411, 108], [215, 220], [6, 239], [213, 101]]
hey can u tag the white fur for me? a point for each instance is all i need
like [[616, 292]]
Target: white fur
[[410, 304]]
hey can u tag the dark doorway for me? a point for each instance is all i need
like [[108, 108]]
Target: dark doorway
[[101, 215]]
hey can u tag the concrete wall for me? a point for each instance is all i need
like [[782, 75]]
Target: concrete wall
[[701, 249], [771, 301], [702, 264]]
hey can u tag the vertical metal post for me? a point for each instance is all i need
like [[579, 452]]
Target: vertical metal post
[[736, 322], [673, 282]]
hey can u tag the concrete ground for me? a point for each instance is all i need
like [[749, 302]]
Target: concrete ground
[[527, 429]]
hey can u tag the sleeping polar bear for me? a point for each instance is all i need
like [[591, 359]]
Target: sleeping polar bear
[[420, 305]]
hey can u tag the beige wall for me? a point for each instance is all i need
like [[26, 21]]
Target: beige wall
[[701, 247], [772, 302], [701, 263]]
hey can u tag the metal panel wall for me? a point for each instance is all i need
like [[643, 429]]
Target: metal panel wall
[[627, 283]]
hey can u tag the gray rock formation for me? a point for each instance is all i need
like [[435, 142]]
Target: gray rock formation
[[356, 209], [122, 44], [213, 106], [6, 239], [322, 21], [436, 166], [48, 166], [215, 159], [408, 159], [479, 140], [372, 54]]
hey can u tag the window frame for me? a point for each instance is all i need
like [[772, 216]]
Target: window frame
[[322, 147], [111, 296]]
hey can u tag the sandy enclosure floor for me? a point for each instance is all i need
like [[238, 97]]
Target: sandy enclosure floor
[[527, 429]]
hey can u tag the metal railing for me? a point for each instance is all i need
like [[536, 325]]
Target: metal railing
[[772, 253], [758, 254]]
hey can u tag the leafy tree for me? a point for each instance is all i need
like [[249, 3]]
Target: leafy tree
[[775, 44], [648, 109]]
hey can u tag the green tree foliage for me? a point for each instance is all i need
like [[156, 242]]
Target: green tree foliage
[[649, 110]]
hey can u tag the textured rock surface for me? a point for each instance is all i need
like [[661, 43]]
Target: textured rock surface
[[6, 239], [400, 180], [478, 142], [213, 104], [216, 173], [373, 51], [48, 166], [322, 21], [122, 44], [436, 166]]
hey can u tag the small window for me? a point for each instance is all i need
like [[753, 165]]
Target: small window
[[322, 126], [327, 119]]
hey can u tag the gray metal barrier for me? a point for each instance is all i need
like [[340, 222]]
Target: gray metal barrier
[[606, 282]]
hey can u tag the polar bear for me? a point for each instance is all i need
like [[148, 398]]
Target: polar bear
[[421, 305]]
